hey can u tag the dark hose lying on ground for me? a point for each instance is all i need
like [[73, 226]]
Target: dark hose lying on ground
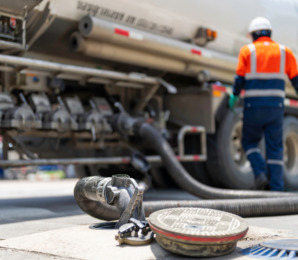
[[243, 207], [241, 202]]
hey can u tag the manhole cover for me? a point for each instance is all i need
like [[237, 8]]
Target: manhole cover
[[197, 231], [274, 249]]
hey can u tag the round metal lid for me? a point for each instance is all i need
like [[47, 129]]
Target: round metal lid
[[198, 225]]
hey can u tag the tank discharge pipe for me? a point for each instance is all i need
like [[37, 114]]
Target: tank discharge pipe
[[246, 203], [104, 31], [106, 40], [113, 52]]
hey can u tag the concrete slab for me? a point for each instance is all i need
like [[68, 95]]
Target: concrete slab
[[40, 220], [36, 226], [28, 227], [12, 254], [81, 242], [287, 223]]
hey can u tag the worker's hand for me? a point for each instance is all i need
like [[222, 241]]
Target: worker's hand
[[233, 101]]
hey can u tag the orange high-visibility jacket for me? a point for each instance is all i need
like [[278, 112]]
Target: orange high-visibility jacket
[[261, 71]]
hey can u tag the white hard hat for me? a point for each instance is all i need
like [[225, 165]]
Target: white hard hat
[[259, 23]]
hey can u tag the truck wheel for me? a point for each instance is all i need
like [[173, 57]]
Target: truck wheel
[[290, 136], [227, 163]]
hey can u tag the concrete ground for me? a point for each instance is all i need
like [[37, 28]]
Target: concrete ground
[[40, 220]]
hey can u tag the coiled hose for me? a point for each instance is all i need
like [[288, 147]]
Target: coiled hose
[[245, 202]]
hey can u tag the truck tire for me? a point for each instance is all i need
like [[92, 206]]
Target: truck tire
[[290, 138], [227, 164]]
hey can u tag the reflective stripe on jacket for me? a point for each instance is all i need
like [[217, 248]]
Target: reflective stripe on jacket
[[262, 68]]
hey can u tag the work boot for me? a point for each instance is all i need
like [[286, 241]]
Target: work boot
[[261, 182]]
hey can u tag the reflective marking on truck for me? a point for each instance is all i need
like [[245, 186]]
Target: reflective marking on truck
[[136, 36], [133, 35], [291, 102], [13, 22], [189, 158], [196, 158], [194, 129], [218, 90], [217, 93], [196, 51], [121, 32]]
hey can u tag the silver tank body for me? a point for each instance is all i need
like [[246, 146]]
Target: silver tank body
[[180, 19]]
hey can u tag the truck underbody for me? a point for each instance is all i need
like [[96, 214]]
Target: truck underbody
[[56, 113]]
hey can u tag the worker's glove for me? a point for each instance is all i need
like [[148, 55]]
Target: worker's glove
[[233, 101]]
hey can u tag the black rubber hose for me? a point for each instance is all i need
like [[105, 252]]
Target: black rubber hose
[[244, 202], [242, 207], [84, 193], [186, 181], [85, 197]]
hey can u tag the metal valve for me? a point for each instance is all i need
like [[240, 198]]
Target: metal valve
[[135, 232]]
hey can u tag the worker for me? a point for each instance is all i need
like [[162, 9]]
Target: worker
[[262, 67]]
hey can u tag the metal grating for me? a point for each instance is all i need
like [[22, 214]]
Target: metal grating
[[276, 249]]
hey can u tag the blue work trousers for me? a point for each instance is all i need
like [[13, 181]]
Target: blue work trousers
[[267, 122]]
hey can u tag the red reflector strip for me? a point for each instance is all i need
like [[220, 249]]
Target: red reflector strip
[[194, 51], [125, 160], [219, 88], [194, 129], [196, 157], [178, 158], [242, 93], [121, 32], [293, 103], [198, 239], [13, 22]]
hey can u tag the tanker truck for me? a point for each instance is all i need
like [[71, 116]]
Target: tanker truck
[[71, 69]]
